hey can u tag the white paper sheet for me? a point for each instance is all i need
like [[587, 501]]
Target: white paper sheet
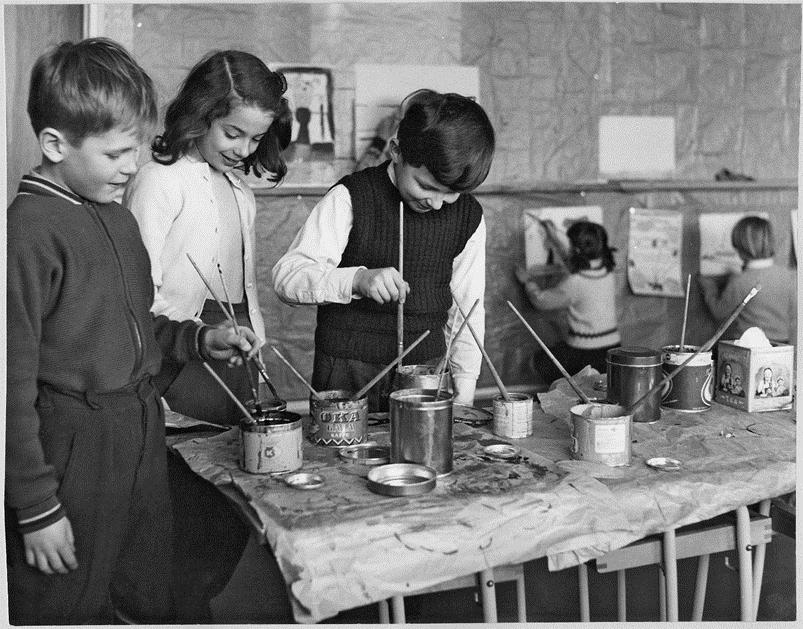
[[636, 147], [536, 246], [655, 245]]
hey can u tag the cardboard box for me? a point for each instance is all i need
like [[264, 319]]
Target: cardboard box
[[754, 379]]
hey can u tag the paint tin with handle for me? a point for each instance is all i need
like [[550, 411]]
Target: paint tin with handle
[[337, 420], [271, 443], [513, 418], [421, 428], [632, 372], [692, 389], [601, 434]]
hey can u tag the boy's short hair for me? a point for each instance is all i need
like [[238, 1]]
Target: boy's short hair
[[752, 238], [89, 87], [450, 135]]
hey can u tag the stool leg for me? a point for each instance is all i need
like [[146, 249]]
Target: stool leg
[[398, 610], [488, 593], [661, 594], [585, 607], [521, 595], [384, 613], [745, 564], [621, 591], [671, 567], [700, 587], [758, 562]]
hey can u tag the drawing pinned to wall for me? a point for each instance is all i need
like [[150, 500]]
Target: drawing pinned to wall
[[380, 88], [717, 255], [655, 243], [545, 231], [311, 155], [636, 147]]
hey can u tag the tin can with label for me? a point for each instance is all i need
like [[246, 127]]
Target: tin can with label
[[513, 418], [601, 434], [271, 443], [632, 372], [337, 420], [692, 389]]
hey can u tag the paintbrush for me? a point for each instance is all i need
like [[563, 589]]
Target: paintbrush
[[488, 362], [384, 372]]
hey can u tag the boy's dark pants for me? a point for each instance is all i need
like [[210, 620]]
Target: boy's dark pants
[[108, 451], [330, 373]]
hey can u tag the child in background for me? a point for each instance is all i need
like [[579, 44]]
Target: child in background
[[774, 308], [344, 258], [229, 115], [589, 294], [87, 507]]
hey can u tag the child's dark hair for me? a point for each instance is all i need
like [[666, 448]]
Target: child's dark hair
[[588, 241], [214, 87], [752, 238], [450, 135], [89, 87]]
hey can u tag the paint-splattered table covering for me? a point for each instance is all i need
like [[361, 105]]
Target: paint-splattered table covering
[[342, 546]]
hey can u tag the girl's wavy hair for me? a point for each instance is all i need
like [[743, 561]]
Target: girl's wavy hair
[[588, 241], [450, 135], [214, 87]]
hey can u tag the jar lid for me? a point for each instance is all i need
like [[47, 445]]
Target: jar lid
[[637, 356]]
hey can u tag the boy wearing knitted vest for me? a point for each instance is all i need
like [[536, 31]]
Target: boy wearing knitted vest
[[344, 258], [88, 523]]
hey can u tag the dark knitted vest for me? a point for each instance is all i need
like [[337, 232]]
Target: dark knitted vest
[[365, 330]]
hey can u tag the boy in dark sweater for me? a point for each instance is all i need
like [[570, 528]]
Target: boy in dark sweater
[[88, 524], [344, 258]]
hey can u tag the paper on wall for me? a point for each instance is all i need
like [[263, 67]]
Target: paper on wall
[[380, 88], [636, 147], [654, 252], [536, 243], [717, 255]]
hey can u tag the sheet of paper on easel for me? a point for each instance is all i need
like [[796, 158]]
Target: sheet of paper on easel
[[636, 147], [536, 242]]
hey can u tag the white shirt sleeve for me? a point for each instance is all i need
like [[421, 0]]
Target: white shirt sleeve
[[467, 286], [308, 273], [155, 202]]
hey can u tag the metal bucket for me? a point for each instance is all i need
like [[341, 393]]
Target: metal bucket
[[271, 442], [513, 418], [632, 371], [692, 390], [336, 420], [422, 377], [421, 428], [601, 434]]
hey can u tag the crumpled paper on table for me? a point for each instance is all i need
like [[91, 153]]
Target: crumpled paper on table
[[561, 396]]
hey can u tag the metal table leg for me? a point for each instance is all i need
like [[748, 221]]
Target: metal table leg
[[398, 610], [671, 568], [488, 593], [700, 587], [759, 552], [745, 564], [384, 613], [585, 607], [521, 596], [621, 598]]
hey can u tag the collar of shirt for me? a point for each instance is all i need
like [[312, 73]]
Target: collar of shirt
[[196, 161], [35, 183], [760, 263]]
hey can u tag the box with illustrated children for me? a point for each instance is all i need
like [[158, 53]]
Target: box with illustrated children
[[754, 376]]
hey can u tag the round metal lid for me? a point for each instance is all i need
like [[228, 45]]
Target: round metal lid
[[634, 356], [304, 480]]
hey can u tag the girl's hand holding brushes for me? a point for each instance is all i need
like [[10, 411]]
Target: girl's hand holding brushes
[[225, 342]]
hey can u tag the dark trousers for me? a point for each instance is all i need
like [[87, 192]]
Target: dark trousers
[[572, 359], [330, 373], [109, 457], [209, 536], [195, 393]]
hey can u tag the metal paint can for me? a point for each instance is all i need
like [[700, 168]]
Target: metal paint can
[[692, 390], [422, 377], [601, 434], [271, 442], [513, 418], [421, 428], [632, 371], [336, 420]]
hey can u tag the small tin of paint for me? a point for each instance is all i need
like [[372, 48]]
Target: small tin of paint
[[692, 389], [513, 418], [271, 442], [337, 420], [632, 372], [601, 434]]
